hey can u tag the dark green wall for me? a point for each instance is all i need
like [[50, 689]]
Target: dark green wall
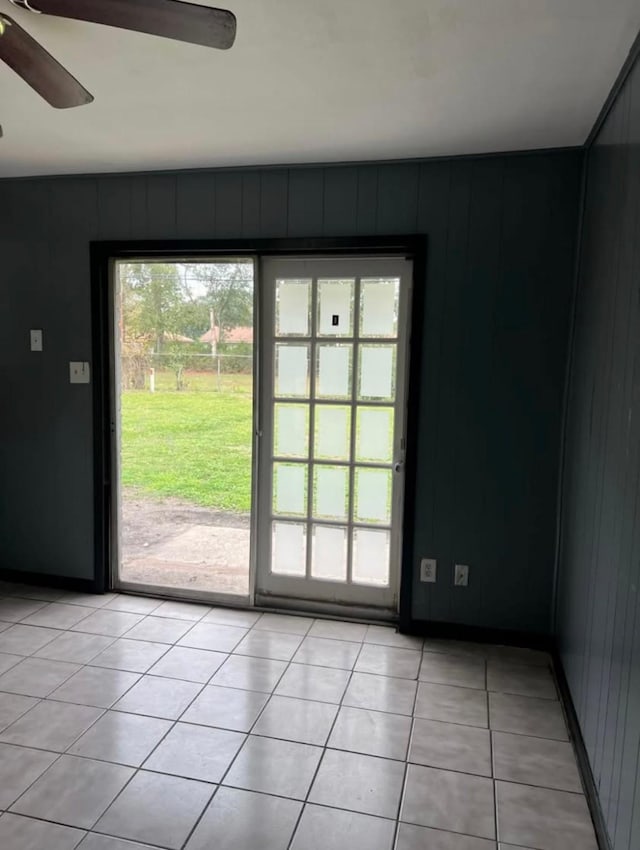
[[501, 239], [598, 606]]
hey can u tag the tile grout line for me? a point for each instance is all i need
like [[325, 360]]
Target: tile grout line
[[241, 747], [492, 766], [135, 769], [210, 682], [174, 723], [324, 750], [273, 738], [66, 751], [271, 694], [403, 792]]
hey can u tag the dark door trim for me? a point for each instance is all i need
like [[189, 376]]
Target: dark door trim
[[102, 255]]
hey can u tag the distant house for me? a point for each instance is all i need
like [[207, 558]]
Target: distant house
[[231, 335]]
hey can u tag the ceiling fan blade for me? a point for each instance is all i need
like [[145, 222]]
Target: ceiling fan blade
[[167, 18], [38, 68]]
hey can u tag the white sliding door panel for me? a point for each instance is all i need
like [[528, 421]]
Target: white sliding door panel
[[333, 409]]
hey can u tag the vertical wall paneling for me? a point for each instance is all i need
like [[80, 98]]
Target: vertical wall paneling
[[433, 219], [228, 204], [397, 207], [114, 207], [195, 205], [473, 463], [367, 199], [139, 205], [492, 259], [306, 201], [447, 389], [340, 212], [598, 586], [251, 191], [161, 205], [274, 196]]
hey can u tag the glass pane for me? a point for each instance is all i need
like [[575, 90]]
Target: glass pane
[[293, 302], [379, 307], [331, 489], [329, 554], [370, 556], [290, 489], [291, 430], [335, 307], [186, 422], [333, 432], [334, 371], [292, 370], [377, 372], [289, 549], [373, 496], [374, 434]]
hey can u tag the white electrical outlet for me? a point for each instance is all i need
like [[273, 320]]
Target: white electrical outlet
[[461, 575], [428, 570]]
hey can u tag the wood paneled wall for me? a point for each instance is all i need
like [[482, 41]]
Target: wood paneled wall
[[598, 603], [501, 236]]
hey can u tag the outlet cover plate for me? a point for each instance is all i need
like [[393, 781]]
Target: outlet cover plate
[[79, 372], [428, 568], [36, 340], [461, 575]]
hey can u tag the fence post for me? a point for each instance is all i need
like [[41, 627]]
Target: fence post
[[152, 380], [218, 359]]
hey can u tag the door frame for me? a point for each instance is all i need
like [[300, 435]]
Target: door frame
[[102, 255]]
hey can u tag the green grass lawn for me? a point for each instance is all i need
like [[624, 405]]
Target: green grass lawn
[[191, 445]]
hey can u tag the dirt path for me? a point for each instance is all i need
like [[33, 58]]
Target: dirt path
[[172, 543], [147, 521]]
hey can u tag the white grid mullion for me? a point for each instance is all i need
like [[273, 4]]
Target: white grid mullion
[[312, 421], [352, 441], [332, 522], [336, 461]]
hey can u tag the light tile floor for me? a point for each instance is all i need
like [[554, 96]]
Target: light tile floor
[[129, 722]]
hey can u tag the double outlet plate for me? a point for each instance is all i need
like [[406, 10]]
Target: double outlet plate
[[428, 572]]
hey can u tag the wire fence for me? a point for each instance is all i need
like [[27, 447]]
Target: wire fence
[[173, 372]]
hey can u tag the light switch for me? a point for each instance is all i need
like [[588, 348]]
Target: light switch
[[79, 372], [36, 340]]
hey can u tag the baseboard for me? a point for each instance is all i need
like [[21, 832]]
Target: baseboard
[[78, 585], [584, 765], [477, 634]]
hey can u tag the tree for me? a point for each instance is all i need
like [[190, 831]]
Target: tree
[[155, 310], [164, 306], [228, 293], [151, 301]]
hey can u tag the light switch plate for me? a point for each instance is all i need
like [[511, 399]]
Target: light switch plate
[[36, 340], [461, 575], [79, 372]]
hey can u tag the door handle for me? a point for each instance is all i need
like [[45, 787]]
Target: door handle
[[398, 466]]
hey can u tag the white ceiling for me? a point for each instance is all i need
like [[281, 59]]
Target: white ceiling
[[322, 81]]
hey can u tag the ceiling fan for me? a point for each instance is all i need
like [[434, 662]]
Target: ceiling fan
[[174, 19]]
